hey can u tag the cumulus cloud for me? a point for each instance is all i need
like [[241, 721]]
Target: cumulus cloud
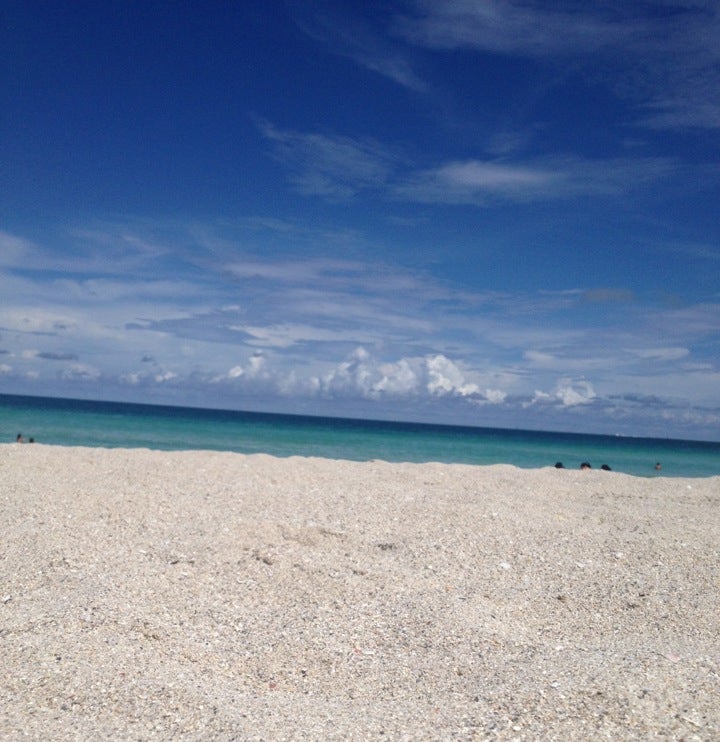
[[398, 378], [362, 376], [495, 396], [255, 368], [567, 393], [354, 376], [575, 393], [433, 376], [165, 376], [446, 378], [145, 378]]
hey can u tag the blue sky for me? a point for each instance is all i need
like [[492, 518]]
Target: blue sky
[[488, 212]]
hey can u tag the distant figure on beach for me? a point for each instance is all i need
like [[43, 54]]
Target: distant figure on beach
[[559, 465], [605, 467], [657, 466], [585, 465], [31, 440], [19, 438]]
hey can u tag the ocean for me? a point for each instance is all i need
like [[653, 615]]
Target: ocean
[[69, 422]]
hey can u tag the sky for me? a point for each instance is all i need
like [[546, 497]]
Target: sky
[[496, 213]]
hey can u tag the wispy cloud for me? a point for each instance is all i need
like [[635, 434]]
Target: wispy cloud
[[347, 35], [15, 251], [608, 295], [331, 166], [478, 181], [667, 62], [341, 167], [512, 27]]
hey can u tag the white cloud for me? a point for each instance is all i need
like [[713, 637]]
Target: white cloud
[[341, 167], [288, 334], [255, 368], [661, 354], [446, 378], [331, 166], [348, 166], [257, 365], [575, 393], [153, 377], [398, 378], [495, 396], [567, 392], [475, 174], [102, 291], [477, 181], [691, 321], [354, 376], [349, 37], [365, 376], [36, 320], [15, 252], [165, 376], [538, 358], [512, 26], [665, 58]]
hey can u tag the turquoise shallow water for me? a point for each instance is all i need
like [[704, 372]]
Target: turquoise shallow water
[[118, 425]]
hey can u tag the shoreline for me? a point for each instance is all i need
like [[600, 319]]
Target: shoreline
[[652, 475], [190, 594]]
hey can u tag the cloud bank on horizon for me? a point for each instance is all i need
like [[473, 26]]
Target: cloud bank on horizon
[[491, 213]]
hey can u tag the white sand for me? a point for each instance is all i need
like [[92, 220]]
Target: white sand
[[217, 596]]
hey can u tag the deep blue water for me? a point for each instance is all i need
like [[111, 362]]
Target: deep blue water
[[118, 425]]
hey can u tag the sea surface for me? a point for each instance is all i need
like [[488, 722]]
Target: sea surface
[[70, 422]]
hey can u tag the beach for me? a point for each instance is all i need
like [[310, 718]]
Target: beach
[[208, 595]]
